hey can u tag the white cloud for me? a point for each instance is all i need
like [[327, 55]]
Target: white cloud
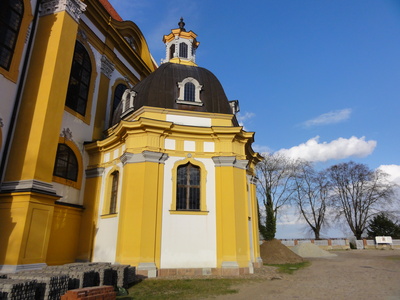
[[261, 149], [393, 171], [341, 148], [244, 117], [329, 118], [241, 118]]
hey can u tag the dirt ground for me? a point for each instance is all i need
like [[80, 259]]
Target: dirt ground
[[355, 274]]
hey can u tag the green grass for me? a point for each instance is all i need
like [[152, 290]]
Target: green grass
[[290, 268], [182, 288]]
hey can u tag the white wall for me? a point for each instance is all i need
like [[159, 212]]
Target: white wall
[[188, 241], [105, 244]]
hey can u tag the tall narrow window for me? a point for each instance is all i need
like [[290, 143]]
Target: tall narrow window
[[188, 187], [183, 50], [171, 51], [114, 192], [190, 92], [118, 92], [79, 80], [66, 165], [11, 12]]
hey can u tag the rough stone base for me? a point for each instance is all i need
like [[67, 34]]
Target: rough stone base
[[258, 263], [147, 270], [193, 272]]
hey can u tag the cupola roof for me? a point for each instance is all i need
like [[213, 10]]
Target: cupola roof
[[177, 85], [181, 45]]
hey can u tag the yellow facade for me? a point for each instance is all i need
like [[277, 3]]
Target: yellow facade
[[48, 216]]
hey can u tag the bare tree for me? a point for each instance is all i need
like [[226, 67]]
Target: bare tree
[[275, 187], [311, 196], [358, 193]]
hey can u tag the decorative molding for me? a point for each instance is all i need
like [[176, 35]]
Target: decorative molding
[[252, 179], [230, 161], [241, 164], [82, 34], [130, 40], [234, 104], [224, 161], [28, 33], [107, 67], [32, 185], [128, 101], [73, 7], [95, 172], [198, 87], [67, 134], [145, 156]]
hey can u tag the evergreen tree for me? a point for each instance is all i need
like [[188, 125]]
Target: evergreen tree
[[381, 225]]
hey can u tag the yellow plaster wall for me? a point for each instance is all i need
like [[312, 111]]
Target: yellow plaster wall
[[241, 217], [225, 206], [12, 224], [232, 216], [254, 220], [64, 236], [37, 131], [89, 218], [25, 228], [139, 233]]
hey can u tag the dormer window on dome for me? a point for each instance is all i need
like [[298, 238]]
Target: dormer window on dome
[[189, 92], [127, 100], [181, 46]]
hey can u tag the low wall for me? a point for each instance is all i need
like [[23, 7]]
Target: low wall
[[335, 244], [328, 244], [371, 244]]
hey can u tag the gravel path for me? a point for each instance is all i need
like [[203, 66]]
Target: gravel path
[[355, 274]]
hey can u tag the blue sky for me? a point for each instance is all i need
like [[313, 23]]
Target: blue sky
[[316, 79]]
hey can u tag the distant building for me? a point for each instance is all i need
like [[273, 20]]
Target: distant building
[[105, 157]]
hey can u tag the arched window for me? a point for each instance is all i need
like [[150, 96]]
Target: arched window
[[189, 92], [118, 92], [171, 51], [188, 187], [66, 165], [11, 12], [183, 50], [79, 80], [114, 192]]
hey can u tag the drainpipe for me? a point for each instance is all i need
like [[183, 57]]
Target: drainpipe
[[18, 96]]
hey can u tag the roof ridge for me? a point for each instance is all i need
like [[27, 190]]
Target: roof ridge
[[111, 10]]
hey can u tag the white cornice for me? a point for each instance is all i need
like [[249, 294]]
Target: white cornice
[[73, 7]]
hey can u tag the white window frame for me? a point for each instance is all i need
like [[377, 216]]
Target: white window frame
[[181, 87]]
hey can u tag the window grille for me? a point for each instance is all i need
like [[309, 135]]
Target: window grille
[[66, 165], [188, 187], [79, 80], [189, 94], [11, 13], [183, 50], [114, 192]]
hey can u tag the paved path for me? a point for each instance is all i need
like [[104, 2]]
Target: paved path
[[355, 274]]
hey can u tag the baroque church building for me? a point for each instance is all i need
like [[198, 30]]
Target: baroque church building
[[107, 157]]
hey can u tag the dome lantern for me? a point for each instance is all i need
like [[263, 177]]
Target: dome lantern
[[181, 46]]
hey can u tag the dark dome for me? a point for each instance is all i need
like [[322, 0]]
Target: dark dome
[[160, 89]]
